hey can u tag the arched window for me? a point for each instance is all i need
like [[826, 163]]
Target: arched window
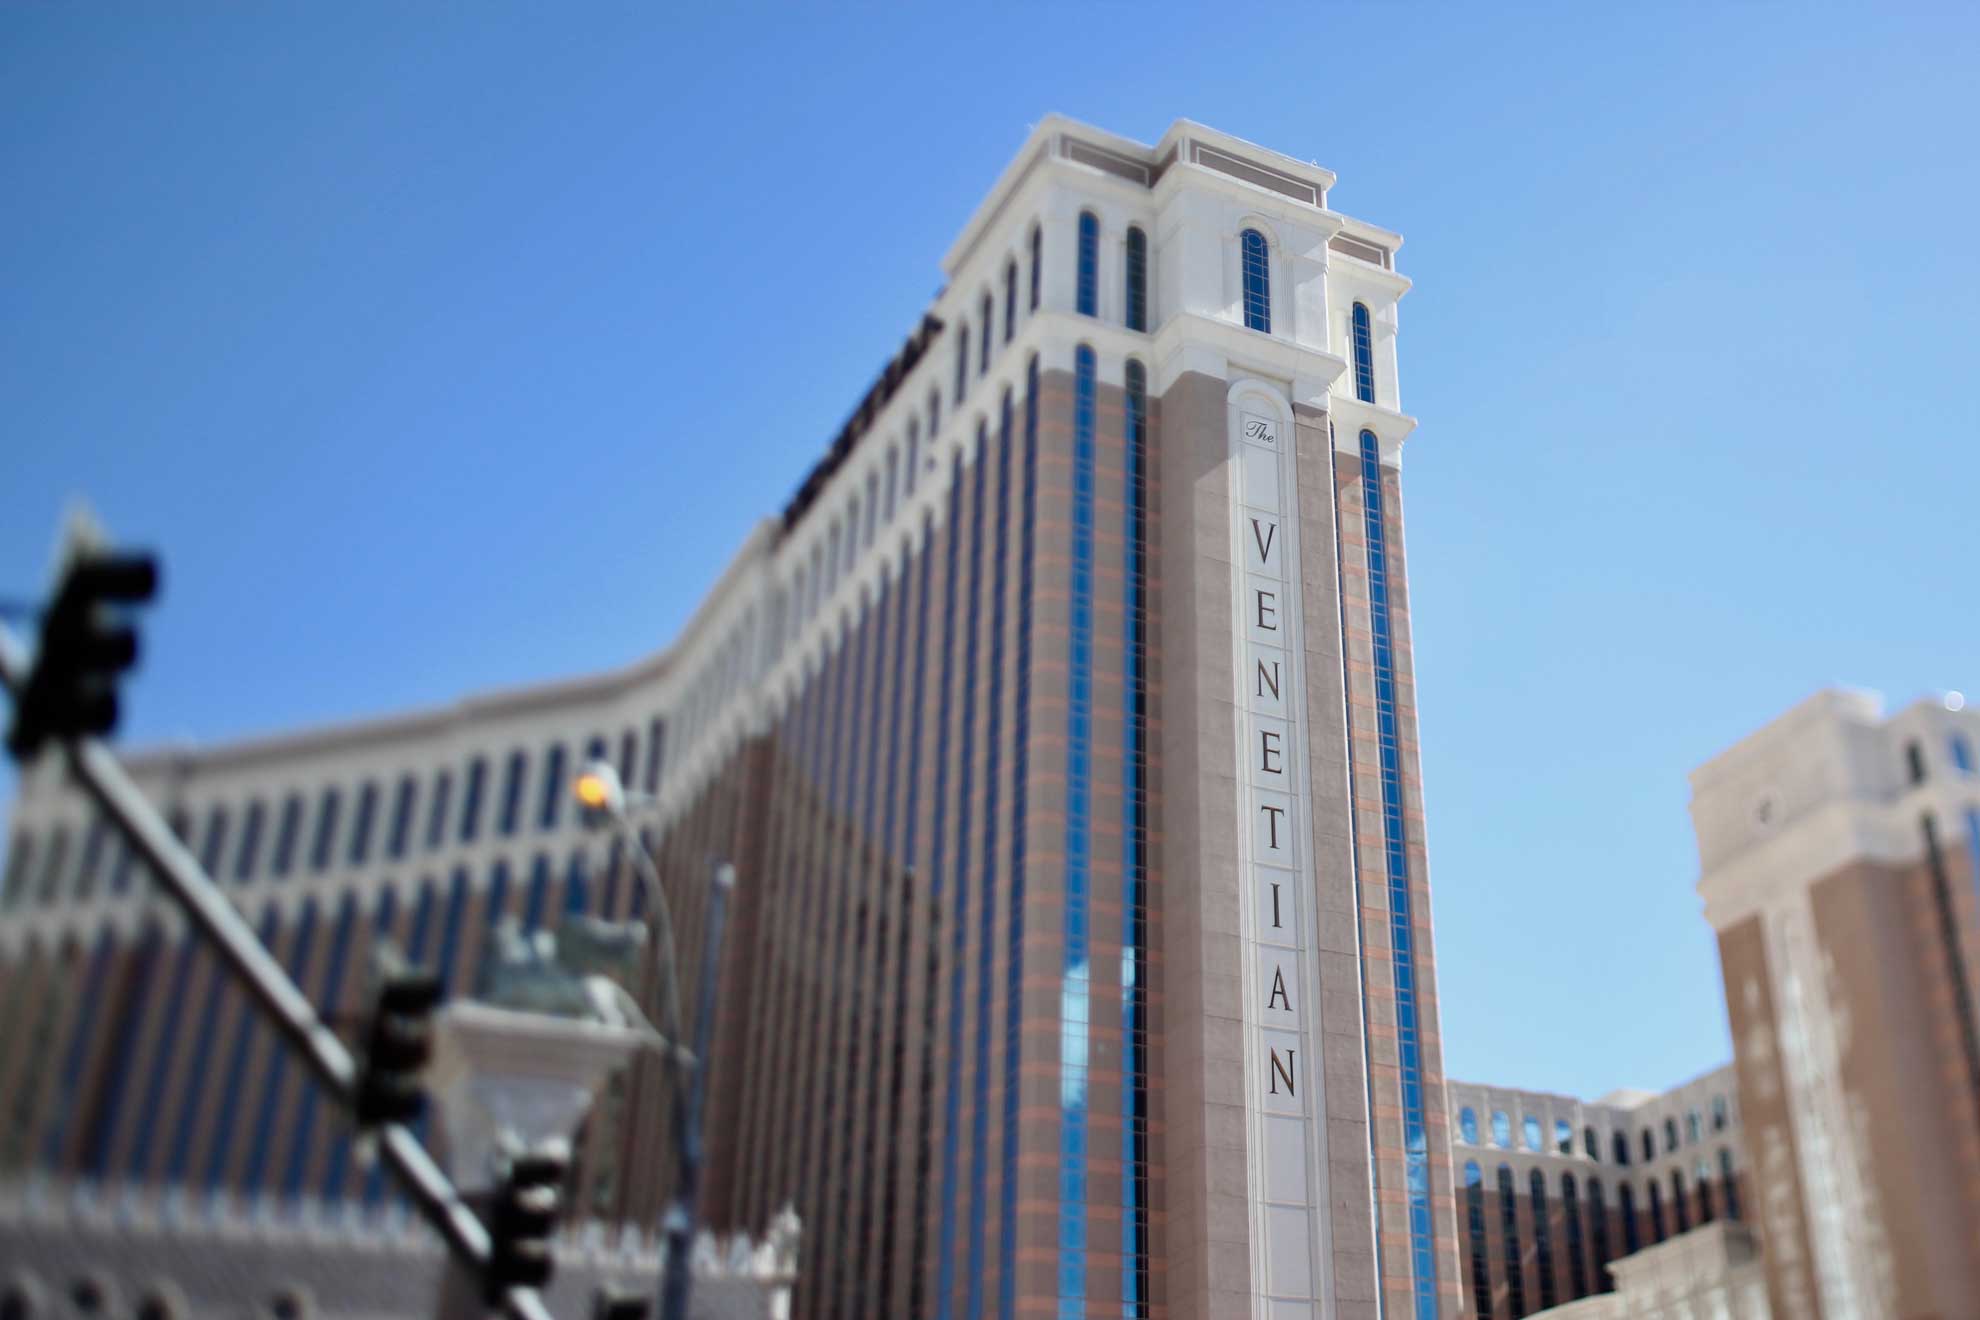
[[1501, 1129], [1656, 1212], [934, 420], [1468, 1126], [1543, 1249], [962, 362], [1474, 1215], [1962, 754], [250, 846], [1509, 1232], [1088, 295], [57, 865], [1649, 1146], [1256, 260], [1719, 1113], [1670, 1135], [893, 483], [215, 842], [302, 944], [1591, 1145], [1530, 1129], [1626, 1204], [1037, 263], [1619, 1149], [1914, 762], [327, 811], [1564, 1137], [1694, 1126], [94, 843], [1010, 299], [20, 860], [330, 1002], [1137, 279], [1571, 1222], [987, 311], [1598, 1232], [577, 884], [913, 460], [554, 788], [1680, 1207], [1728, 1182], [1703, 1173], [866, 534], [1364, 354]]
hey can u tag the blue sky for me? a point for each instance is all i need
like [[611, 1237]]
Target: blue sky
[[443, 347]]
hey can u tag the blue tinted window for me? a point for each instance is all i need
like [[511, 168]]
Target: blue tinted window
[[402, 811], [1480, 1247], [437, 809], [1134, 843], [1076, 976], [1089, 264], [577, 884], [82, 1034], [538, 901], [132, 1000], [244, 860], [138, 1164], [477, 776], [192, 1104], [1543, 1250], [1501, 1128], [1530, 1129], [367, 811], [301, 945], [1962, 754], [1468, 1125], [1509, 1234], [1137, 279], [1037, 263], [1364, 355], [336, 1169], [326, 830], [1256, 260], [554, 788], [214, 844], [235, 1081], [285, 835], [512, 788], [328, 1004], [1571, 1222], [1010, 306]]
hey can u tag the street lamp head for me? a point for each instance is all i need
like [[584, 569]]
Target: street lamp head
[[599, 792]]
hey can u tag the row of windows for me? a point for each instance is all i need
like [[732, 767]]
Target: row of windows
[[1563, 1135], [1707, 1197], [379, 822], [1958, 748]]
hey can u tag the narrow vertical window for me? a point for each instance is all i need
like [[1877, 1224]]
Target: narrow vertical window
[[893, 482], [285, 835], [1619, 1148], [477, 775], [325, 844], [1256, 261], [1914, 762], [437, 810], [1962, 754], [913, 460], [1598, 1225], [1010, 300], [367, 810], [1571, 1223], [250, 850], [656, 743], [1656, 1212], [934, 420], [1468, 1125], [402, 814], [872, 509], [553, 788], [1543, 1247], [1481, 1259], [512, 788], [1364, 355], [537, 901], [1626, 1206], [215, 842], [1509, 1233], [1728, 1183], [57, 864], [987, 313], [1137, 279], [1680, 1206], [20, 860], [1089, 264], [962, 361], [1037, 263]]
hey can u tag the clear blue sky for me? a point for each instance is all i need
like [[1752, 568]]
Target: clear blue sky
[[443, 347]]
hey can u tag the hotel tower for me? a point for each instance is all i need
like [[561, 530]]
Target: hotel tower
[[1062, 730]]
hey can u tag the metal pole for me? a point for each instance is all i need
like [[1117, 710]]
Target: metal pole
[[676, 1281], [208, 909]]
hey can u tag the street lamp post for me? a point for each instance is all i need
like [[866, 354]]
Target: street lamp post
[[605, 801]]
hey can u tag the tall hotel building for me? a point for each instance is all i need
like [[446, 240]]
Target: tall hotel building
[[1839, 851], [1063, 733]]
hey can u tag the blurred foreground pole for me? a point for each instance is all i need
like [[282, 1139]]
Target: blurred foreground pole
[[208, 909], [676, 1279]]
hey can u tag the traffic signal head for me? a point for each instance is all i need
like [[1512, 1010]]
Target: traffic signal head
[[86, 643], [398, 1047], [524, 1217]]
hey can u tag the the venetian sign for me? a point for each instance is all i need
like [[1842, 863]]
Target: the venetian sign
[[1284, 1128]]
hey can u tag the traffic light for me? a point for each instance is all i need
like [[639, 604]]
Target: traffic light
[[525, 1215], [397, 1048], [85, 644]]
